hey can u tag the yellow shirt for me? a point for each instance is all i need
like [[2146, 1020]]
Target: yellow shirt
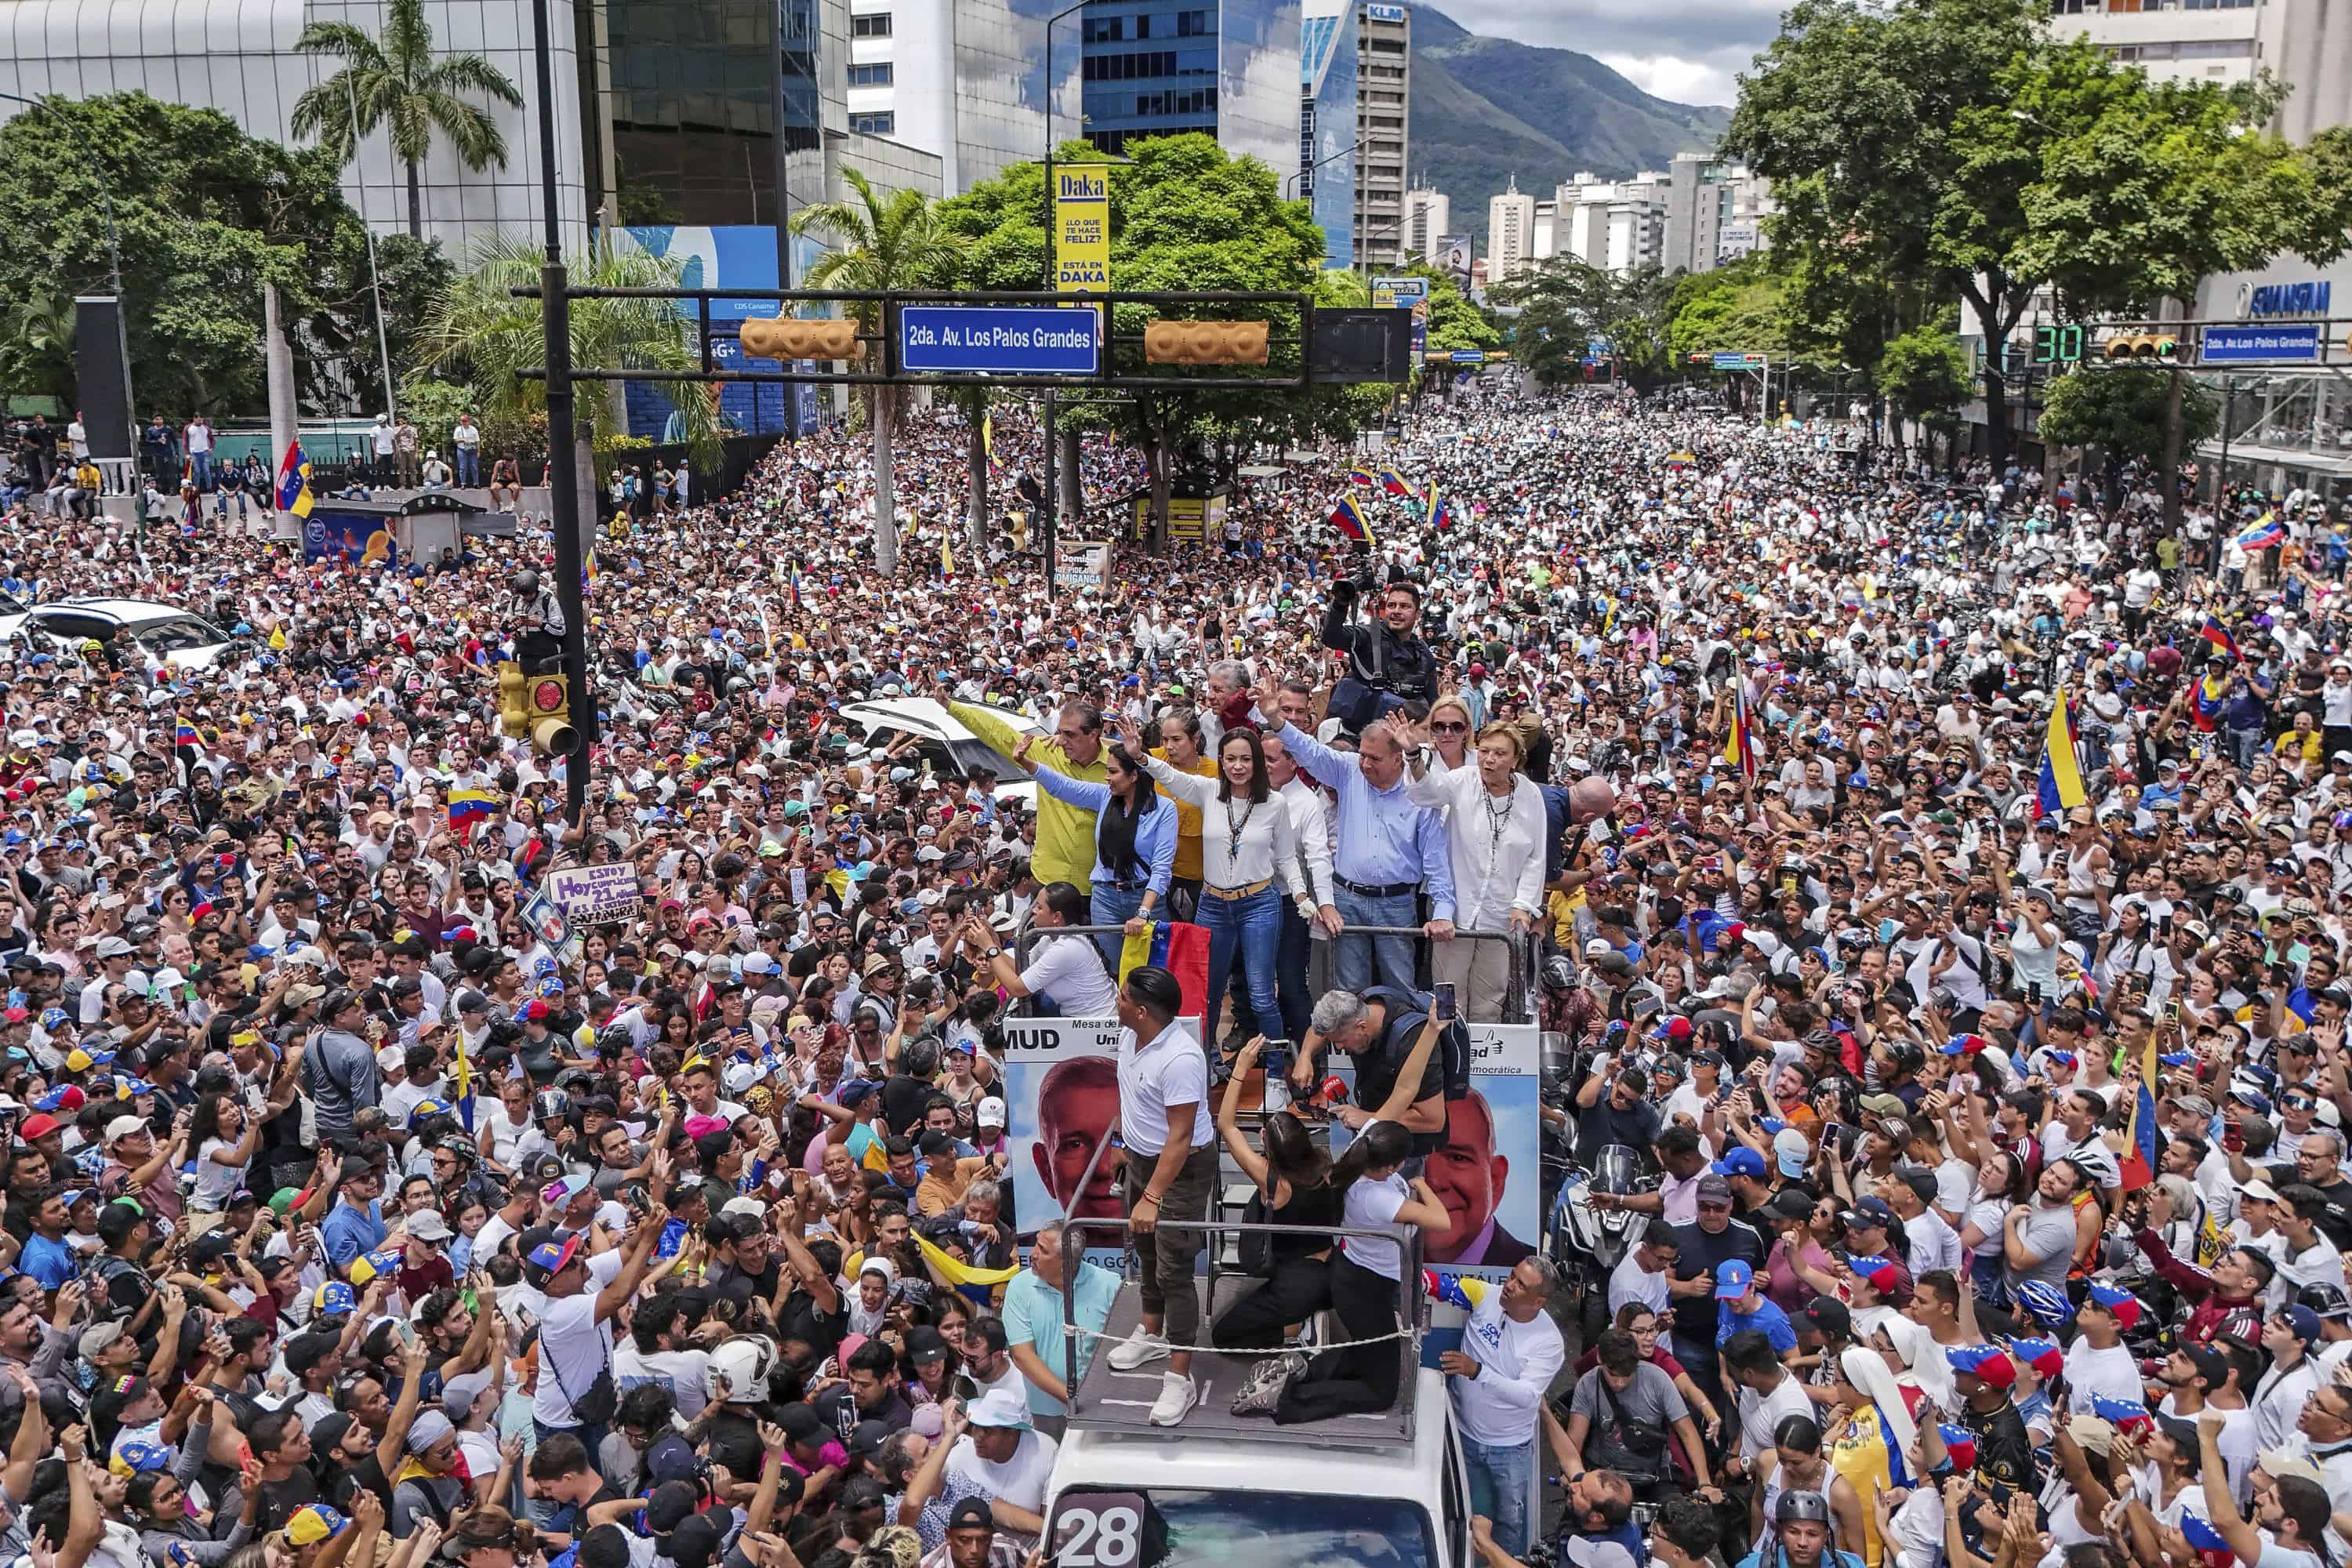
[[1065, 851], [2289, 743], [1188, 819]]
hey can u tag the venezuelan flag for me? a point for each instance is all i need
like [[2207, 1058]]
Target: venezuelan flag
[[1740, 746], [464, 1077], [1362, 476], [1441, 511], [1348, 519], [2205, 696], [2138, 1167], [2217, 634], [294, 482], [988, 443], [1394, 482], [186, 739], [467, 806], [2266, 531], [977, 1285], [2061, 775]]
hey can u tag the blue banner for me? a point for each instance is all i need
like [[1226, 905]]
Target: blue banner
[[2242, 346], [1000, 340], [354, 538]]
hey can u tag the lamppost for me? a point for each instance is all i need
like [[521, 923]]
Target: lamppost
[[1051, 521], [113, 247], [1290, 180], [563, 465]]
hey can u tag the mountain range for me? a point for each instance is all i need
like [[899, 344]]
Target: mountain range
[[1484, 110]]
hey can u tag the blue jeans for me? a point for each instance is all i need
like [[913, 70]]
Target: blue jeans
[[1250, 929], [1358, 961], [200, 464], [1110, 907], [1290, 974], [470, 466], [1500, 1477]]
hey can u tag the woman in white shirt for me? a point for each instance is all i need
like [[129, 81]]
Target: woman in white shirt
[[1366, 1276], [1247, 847], [1495, 826]]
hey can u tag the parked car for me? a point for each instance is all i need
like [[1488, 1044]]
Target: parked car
[[172, 638], [945, 743]]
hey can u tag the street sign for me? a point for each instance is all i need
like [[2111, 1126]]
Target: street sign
[[1739, 361], [1000, 340], [2249, 344], [1469, 356]]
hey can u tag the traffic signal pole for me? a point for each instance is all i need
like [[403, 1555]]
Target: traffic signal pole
[[563, 446]]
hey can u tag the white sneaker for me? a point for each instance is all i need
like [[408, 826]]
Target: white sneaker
[[1145, 1346], [1178, 1394]]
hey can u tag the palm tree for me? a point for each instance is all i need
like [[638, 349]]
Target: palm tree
[[478, 328], [883, 243], [398, 84]]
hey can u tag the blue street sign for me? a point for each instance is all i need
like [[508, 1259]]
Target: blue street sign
[[1731, 361], [1469, 356], [2242, 346], [1000, 340]]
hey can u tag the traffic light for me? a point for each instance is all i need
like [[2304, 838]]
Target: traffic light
[[514, 713], [2161, 346], [547, 702], [1206, 342], [785, 337]]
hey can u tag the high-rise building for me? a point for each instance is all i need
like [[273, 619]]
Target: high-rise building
[[1714, 212], [2203, 40], [1328, 149], [965, 79], [1428, 218], [1614, 224], [1226, 67], [1384, 107], [2309, 45], [1510, 233]]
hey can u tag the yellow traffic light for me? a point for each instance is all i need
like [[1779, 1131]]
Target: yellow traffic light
[[548, 703], [2162, 346], [514, 715], [1206, 342], [784, 338]]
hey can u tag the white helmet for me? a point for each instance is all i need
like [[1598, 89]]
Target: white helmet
[[736, 1372]]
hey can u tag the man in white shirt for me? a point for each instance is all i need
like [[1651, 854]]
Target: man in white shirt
[[1310, 824], [1641, 1274], [1767, 1393], [1511, 1350], [1169, 1172], [575, 1342], [1932, 1243], [2278, 1399]]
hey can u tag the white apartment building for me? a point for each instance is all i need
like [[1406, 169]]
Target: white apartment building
[[1510, 233], [1428, 218]]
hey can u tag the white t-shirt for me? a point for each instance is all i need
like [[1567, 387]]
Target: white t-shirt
[[1629, 1281], [1069, 970], [1156, 1076], [1019, 1480], [679, 1370], [2111, 1372], [574, 1347], [1761, 1414], [1934, 1243], [1371, 1202]]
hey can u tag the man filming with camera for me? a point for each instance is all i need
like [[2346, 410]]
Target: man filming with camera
[[1388, 663]]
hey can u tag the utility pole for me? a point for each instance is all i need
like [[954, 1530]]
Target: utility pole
[[562, 448]]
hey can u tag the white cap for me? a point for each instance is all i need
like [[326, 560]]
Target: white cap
[[746, 1205], [122, 1127], [992, 1113], [389, 1058]]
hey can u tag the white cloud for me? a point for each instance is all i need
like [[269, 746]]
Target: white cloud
[[1673, 77]]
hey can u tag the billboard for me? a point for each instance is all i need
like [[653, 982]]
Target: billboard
[[1454, 259], [351, 538], [728, 256], [1082, 228]]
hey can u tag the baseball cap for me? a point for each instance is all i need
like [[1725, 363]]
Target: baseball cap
[[313, 1523], [1714, 1188], [999, 1407], [1868, 1212], [2048, 1358], [2124, 1307], [1733, 1279], [333, 1298], [546, 1255], [1741, 1162], [991, 1112], [1827, 1315], [2303, 1321], [1989, 1362], [1790, 1151]]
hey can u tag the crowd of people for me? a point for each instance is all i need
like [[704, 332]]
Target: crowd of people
[[1994, 1191]]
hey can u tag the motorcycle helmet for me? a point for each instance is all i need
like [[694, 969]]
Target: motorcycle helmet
[[736, 1372], [549, 1104], [1792, 1507], [1559, 974], [524, 582]]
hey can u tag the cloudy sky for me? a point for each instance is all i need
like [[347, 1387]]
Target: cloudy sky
[[1686, 50]]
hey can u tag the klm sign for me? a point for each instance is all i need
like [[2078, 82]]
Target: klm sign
[[2288, 299]]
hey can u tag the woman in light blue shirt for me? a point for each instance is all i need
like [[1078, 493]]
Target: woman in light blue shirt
[[1135, 839]]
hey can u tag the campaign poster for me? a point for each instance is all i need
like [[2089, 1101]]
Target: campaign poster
[[1487, 1172], [1061, 1099], [348, 538]]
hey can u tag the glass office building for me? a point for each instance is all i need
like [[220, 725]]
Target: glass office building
[[965, 79], [1230, 69], [1327, 123]]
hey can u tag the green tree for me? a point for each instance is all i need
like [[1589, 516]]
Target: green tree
[[478, 332], [37, 344], [398, 84], [1925, 374], [2122, 414], [881, 244], [1567, 303], [996, 240], [2160, 186], [1898, 168], [204, 216]]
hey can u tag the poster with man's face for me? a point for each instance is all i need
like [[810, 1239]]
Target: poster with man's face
[[1487, 1172], [1061, 1093]]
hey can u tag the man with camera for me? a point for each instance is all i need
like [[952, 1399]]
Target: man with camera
[[1388, 663]]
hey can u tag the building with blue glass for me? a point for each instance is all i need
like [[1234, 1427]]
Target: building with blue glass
[[1327, 76], [1226, 67]]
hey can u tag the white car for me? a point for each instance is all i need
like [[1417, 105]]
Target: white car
[[946, 743], [172, 636]]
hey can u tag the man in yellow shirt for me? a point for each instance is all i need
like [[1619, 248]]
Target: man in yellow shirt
[[2300, 743], [1064, 850]]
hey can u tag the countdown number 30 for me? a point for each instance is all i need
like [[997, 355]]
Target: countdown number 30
[[1100, 1537]]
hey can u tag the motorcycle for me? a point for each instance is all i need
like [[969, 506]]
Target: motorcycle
[[1589, 1241]]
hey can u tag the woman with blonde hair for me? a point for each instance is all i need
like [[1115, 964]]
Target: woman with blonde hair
[[1494, 828]]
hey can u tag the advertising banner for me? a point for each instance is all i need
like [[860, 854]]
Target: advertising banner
[[353, 538], [1082, 228], [1083, 564]]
